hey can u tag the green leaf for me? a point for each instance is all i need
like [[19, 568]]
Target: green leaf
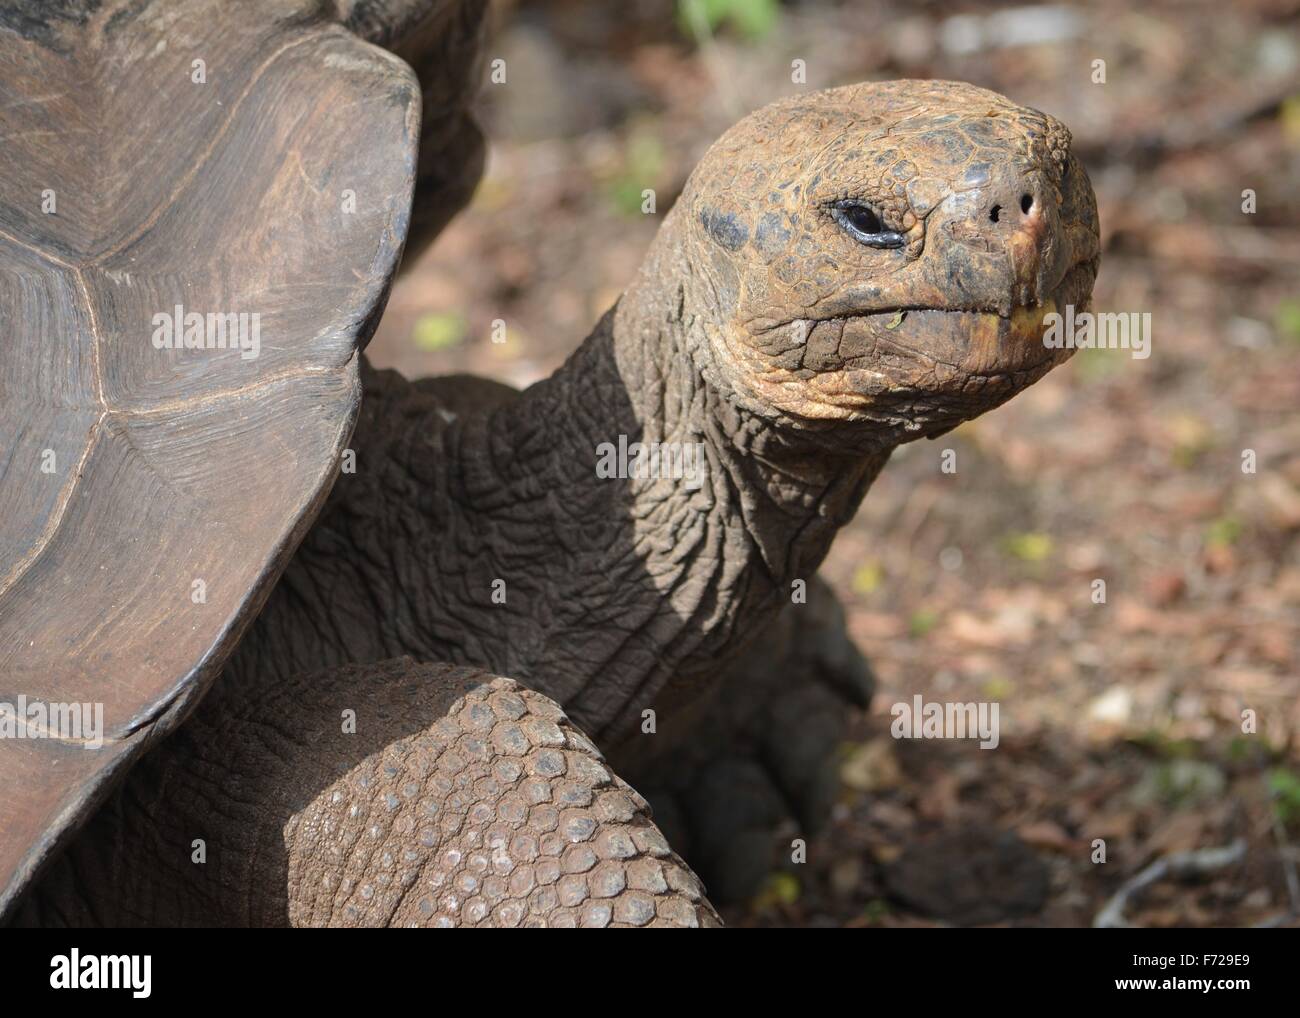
[[642, 168], [998, 687], [867, 578], [1285, 786], [439, 330], [875, 910], [922, 621], [1289, 115], [1223, 532], [778, 889], [1093, 364], [753, 19], [1029, 547], [1287, 319]]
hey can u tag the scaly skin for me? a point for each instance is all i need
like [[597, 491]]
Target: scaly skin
[[759, 326], [461, 799]]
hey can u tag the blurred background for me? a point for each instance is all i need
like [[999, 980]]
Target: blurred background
[[1120, 721]]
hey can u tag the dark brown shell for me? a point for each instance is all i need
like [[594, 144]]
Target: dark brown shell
[[149, 497]]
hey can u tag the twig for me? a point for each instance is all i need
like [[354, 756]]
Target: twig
[[1178, 865], [1288, 865]]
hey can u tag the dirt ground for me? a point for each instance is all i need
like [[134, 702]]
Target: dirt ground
[[1121, 721]]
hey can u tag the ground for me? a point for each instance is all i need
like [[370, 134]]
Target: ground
[[1175, 479]]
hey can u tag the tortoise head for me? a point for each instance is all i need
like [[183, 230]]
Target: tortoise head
[[887, 252]]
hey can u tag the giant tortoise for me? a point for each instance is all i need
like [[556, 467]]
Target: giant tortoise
[[383, 625]]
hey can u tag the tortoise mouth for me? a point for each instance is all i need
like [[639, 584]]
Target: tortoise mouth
[[931, 356], [975, 342], [1072, 286]]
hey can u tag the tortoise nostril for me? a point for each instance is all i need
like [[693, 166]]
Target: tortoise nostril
[[1026, 203], [995, 212]]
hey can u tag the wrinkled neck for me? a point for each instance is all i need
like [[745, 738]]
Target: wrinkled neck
[[787, 488], [644, 523]]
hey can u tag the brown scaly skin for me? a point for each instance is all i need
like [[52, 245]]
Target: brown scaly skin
[[758, 325], [461, 799], [933, 159]]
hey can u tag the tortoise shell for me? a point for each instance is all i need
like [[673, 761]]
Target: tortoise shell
[[203, 207]]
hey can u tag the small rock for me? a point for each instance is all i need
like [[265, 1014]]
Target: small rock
[[970, 876], [1113, 707], [872, 767]]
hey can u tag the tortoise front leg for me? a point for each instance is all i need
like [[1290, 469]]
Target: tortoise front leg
[[394, 794], [760, 766]]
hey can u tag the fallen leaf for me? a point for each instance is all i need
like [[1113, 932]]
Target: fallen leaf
[[1046, 834]]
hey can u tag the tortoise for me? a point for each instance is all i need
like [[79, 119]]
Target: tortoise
[[385, 624]]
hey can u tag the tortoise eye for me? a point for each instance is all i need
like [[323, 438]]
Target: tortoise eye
[[862, 222], [862, 219]]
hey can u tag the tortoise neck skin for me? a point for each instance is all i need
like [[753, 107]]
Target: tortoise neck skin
[[649, 578]]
